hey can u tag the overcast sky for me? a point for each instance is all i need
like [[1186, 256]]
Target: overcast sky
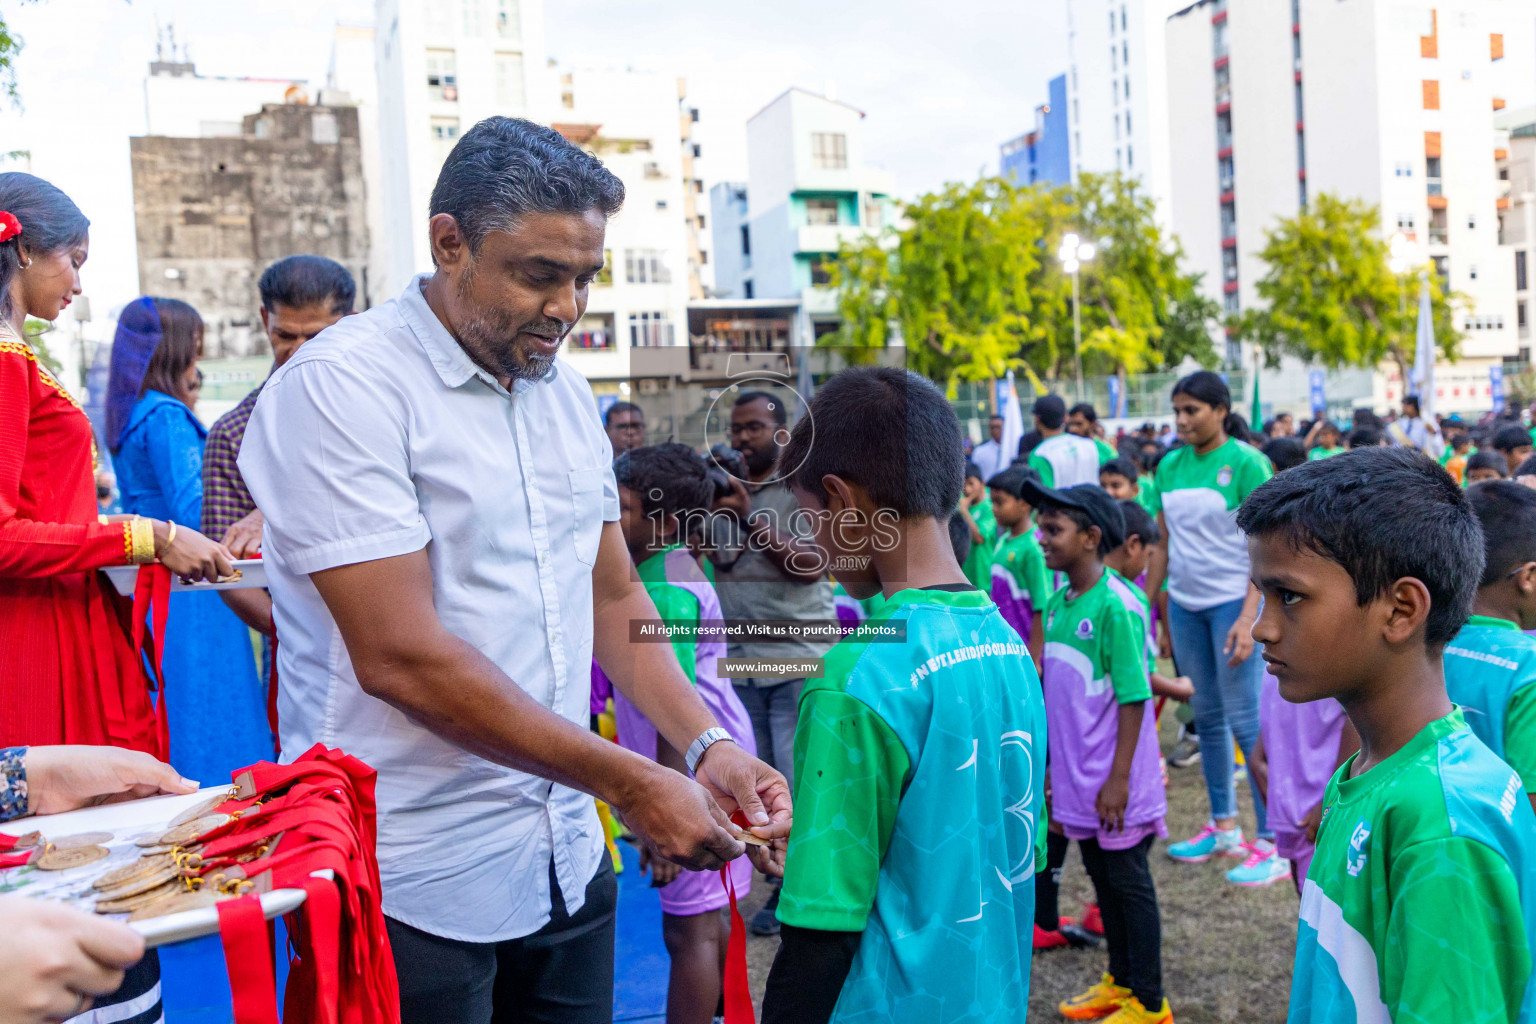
[[942, 83]]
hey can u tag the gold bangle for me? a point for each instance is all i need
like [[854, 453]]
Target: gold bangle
[[143, 541], [170, 535]]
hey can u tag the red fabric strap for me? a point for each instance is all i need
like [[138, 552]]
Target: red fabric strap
[[152, 598], [248, 958], [738, 990]]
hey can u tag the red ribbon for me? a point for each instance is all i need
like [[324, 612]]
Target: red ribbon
[[152, 598], [248, 958], [738, 990]]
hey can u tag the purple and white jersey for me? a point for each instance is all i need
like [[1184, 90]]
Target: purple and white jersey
[[1301, 744]]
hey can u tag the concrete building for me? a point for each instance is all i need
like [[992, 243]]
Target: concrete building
[[1042, 156], [180, 103], [443, 65], [1259, 121], [1117, 90], [640, 125], [808, 191], [1517, 218], [212, 212]]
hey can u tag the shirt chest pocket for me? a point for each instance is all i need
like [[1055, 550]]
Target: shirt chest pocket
[[587, 512]]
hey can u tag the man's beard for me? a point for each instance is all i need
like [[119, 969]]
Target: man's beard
[[490, 336], [759, 461]]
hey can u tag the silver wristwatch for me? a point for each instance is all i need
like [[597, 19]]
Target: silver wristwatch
[[707, 739]]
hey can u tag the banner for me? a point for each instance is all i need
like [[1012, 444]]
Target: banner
[[1115, 409], [1319, 399], [1496, 387]]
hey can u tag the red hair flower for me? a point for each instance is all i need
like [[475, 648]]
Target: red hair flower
[[10, 227]]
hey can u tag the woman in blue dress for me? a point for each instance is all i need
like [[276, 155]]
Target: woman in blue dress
[[215, 704]]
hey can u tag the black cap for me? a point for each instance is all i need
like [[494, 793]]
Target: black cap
[[1103, 510]]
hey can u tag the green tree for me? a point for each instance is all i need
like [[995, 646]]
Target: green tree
[[1330, 295], [972, 282], [33, 330]]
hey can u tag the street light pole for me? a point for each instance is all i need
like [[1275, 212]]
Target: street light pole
[[1074, 252]]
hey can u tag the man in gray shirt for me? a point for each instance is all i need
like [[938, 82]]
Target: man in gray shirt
[[773, 572]]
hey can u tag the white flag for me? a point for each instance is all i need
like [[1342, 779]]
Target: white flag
[[1013, 420], [1424, 357]]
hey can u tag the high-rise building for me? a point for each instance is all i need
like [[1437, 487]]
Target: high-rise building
[[808, 190], [640, 125], [1386, 101], [1517, 218], [443, 65], [1117, 90], [1042, 156], [180, 103]]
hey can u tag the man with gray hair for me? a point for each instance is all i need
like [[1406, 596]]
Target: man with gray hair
[[445, 559]]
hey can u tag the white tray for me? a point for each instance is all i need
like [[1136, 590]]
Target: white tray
[[253, 573], [126, 821]]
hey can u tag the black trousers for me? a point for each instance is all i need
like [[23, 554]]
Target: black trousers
[[1133, 928], [561, 974], [1048, 882]]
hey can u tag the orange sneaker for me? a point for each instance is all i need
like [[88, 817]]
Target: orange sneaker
[[1132, 1012], [1101, 1000]]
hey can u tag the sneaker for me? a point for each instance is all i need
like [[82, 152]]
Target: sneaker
[[1132, 1012], [1263, 867], [1049, 940], [1101, 1000], [1078, 936], [1209, 842], [1093, 921], [1187, 751], [766, 920]]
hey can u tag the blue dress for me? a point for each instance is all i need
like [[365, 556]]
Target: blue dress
[[217, 709]]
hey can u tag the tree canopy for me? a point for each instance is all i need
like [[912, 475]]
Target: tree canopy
[[1331, 296], [972, 282]]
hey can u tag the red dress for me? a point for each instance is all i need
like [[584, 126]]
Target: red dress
[[68, 670]]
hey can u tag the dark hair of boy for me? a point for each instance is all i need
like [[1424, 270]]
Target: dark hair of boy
[[1012, 480], [960, 536], [670, 478], [1526, 468], [1121, 466], [1489, 458], [299, 281], [973, 471], [1087, 505], [1051, 410], [776, 407], [1507, 512], [890, 431], [1510, 437], [1139, 523], [1381, 514], [1085, 410], [1364, 437], [1284, 453]]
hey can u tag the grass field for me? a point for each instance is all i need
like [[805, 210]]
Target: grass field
[[1226, 950]]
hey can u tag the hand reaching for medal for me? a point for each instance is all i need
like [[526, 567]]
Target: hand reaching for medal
[[190, 555], [65, 778], [740, 782]]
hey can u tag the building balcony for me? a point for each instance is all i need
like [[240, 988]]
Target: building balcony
[[819, 301], [826, 237], [1439, 236]]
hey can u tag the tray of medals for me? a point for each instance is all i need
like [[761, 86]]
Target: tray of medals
[[249, 572], [136, 861]]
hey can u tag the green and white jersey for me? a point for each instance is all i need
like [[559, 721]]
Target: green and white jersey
[[1066, 460], [1421, 898], [1198, 496], [1106, 450], [978, 564], [919, 795], [1146, 494], [1489, 669], [1323, 453]]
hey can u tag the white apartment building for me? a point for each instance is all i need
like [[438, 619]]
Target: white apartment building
[[180, 103], [1117, 103], [808, 190], [640, 125], [1517, 217], [1387, 101], [443, 65]]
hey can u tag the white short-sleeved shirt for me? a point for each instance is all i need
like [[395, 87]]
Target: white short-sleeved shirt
[[381, 437], [1066, 460]]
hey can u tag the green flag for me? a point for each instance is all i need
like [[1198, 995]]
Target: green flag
[[1258, 410]]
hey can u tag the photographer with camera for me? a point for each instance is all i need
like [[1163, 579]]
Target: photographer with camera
[[767, 569]]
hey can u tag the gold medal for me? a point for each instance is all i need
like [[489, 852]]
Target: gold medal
[[146, 865], [752, 840], [180, 902], [204, 808], [76, 841], [182, 834], [142, 883], [128, 904], [63, 860]]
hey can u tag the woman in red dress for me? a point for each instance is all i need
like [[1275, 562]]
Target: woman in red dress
[[68, 669]]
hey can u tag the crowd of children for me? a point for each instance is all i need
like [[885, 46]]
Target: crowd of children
[[941, 779]]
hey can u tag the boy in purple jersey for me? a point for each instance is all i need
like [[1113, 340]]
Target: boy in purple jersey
[[660, 488], [1020, 586]]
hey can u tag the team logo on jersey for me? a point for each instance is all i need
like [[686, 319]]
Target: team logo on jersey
[[1354, 861], [1511, 795], [1085, 630], [1050, 621], [1224, 476]]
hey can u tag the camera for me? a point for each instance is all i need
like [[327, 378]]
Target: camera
[[724, 462]]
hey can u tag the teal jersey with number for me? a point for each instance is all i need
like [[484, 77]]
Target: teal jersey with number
[[1198, 496], [919, 795], [1421, 898], [1489, 669]]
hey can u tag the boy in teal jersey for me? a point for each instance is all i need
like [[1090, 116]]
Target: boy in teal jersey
[[908, 893], [1106, 775], [976, 511], [1329, 442], [1420, 901], [1019, 584], [1491, 665]]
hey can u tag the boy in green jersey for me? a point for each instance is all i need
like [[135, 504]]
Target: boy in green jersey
[[1019, 584], [1490, 666], [909, 885], [1123, 479], [1420, 901], [976, 512], [1330, 442]]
